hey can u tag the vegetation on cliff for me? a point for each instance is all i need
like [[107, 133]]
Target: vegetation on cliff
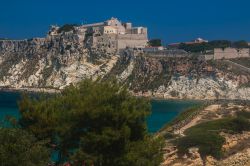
[[206, 136], [94, 122], [217, 131], [66, 28], [227, 67], [59, 60], [203, 47], [155, 42]]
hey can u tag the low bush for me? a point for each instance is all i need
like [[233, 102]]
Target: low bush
[[208, 144], [66, 28], [243, 114], [235, 125], [206, 136]]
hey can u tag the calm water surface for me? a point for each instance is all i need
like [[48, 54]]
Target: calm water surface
[[163, 111]]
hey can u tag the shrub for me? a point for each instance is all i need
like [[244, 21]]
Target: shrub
[[235, 125], [66, 28], [206, 136], [243, 114], [208, 144], [155, 43], [203, 47]]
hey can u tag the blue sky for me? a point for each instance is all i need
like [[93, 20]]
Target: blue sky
[[170, 20]]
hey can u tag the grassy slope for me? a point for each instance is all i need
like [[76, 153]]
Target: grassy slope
[[206, 136]]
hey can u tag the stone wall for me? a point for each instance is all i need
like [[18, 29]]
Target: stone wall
[[131, 40], [121, 41], [106, 42], [231, 53], [132, 37], [167, 53]]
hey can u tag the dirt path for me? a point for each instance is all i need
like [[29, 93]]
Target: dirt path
[[198, 118]]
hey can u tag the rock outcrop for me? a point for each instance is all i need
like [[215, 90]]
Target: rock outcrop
[[182, 77], [52, 62], [68, 57]]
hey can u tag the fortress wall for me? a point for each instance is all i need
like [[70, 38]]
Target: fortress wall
[[107, 42], [114, 41], [132, 37], [231, 53], [121, 44], [131, 40], [92, 25], [167, 53]]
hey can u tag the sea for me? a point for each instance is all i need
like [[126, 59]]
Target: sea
[[163, 111]]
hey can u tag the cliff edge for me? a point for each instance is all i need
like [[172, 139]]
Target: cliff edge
[[66, 58]]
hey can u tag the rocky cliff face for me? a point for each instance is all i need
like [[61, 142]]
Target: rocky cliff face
[[60, 60], [182, 78], [54, 62]]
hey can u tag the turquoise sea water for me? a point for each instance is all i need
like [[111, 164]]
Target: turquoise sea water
[[8, 105], [162, 111]]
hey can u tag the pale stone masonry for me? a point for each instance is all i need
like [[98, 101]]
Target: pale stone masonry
[[112, 34], [231, 53], [117, 35]]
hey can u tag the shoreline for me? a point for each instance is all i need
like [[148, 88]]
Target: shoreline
[[30, 90], [51, 90]]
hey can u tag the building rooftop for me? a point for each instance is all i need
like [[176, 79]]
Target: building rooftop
[[196, 41]]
